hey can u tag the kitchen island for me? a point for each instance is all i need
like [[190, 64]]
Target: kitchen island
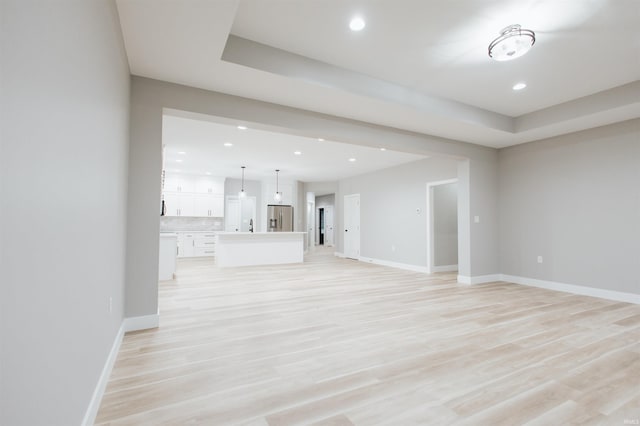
[[259, 248]]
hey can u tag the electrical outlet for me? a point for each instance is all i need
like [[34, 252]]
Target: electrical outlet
[[539, 259], [110, 304]]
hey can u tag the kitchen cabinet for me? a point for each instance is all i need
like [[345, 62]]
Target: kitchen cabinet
[[195, 196], [178, 204], [209, 185], [196, 244], [179, 183], [209, 205]]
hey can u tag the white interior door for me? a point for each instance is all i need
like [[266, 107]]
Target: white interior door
[[352, 226], [311, 220], [232, 218], [328, 225]]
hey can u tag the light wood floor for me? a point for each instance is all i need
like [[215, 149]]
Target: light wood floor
[[339, 342]]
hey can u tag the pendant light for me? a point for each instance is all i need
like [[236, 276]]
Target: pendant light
[[278, 195], [242, 194]]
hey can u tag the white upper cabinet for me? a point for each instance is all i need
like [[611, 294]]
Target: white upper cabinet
[[192, 195], [209, 205], [178, 183], [209, 185]]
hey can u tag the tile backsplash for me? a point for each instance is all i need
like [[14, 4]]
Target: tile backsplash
[[174, 224]]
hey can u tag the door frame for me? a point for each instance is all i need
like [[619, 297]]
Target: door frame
[[430, 230]]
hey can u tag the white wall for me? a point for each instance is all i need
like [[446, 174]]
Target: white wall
[[445, 224], [63, 185], [391, 228], [575, 201]]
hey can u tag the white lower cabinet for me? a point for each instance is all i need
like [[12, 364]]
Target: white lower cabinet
[[196, 244]]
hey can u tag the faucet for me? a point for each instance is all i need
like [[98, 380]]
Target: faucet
[[250, 225]]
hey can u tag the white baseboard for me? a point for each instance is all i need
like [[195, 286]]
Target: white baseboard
[[405, 266], [98, 392], [445, 268], [618, 296], [141, 323], [128, 324], [479, 279]]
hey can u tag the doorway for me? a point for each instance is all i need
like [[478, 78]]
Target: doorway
[[321, 226], [442, 226], [240, 215], [352, 226]]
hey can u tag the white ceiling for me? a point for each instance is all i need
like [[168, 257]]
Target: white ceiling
[[262, 152], [418, 65]]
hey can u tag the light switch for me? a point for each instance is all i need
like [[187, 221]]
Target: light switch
[[539, 259], [476, 219]]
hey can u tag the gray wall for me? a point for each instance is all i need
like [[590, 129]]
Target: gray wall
[[389, 200], [445, 224], [575, 200], [64, 111]]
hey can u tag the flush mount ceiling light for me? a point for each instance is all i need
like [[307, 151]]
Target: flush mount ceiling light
[[228, 144], [278, 195], [297, 153], [352, 160], [512, 43], [357, 24], [242, 194], [519, 86]]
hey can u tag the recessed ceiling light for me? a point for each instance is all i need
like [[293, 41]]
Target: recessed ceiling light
[[227, 144], [242, 127], [353, 160], [207, 173], [181, 152], [320, 139], [383, 149], [178, 161], [519, 86], [357, 24], [297, 153]]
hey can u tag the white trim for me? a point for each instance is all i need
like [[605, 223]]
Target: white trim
[[339, 254], [405, 266], [445, 268], [618, 296], [98, 392], [479, 279], [430, 232], [128, 324], [141, 323]]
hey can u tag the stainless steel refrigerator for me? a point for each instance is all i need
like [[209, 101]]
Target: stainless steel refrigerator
[[279, 218]]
